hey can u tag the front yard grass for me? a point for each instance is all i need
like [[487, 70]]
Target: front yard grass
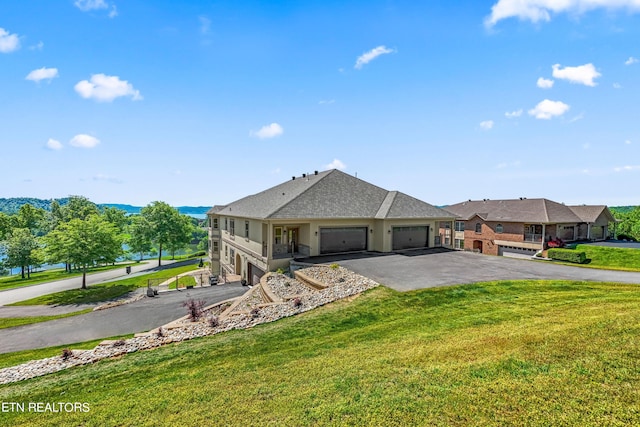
[[534, 353], [605, 257], [104, 291]]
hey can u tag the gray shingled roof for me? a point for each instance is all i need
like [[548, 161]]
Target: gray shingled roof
[[541, 211], [590, 213], [215, 209], [330, 194]]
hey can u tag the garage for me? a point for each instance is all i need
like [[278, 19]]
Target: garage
[[514, 252], [343, 239], [255, 274], [410, 237]]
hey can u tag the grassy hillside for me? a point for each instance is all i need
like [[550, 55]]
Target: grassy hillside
[[509, 353]]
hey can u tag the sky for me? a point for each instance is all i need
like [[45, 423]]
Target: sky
[[204, 102]]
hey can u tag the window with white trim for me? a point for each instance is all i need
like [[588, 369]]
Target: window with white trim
[[478, 227]]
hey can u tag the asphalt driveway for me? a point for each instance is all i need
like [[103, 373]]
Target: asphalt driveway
[[431, 268], [139, 316]]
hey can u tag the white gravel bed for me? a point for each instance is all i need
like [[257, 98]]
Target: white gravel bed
[[343, 283], [287, 288]]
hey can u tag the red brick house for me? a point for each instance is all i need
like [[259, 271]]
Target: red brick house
[[521, 227]]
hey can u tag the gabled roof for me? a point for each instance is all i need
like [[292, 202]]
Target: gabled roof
[[215, 209], [542, 211], [590, 213], [330, 194]]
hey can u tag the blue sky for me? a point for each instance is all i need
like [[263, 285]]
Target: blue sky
[[204, 102]]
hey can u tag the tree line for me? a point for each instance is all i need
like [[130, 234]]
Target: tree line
[[628, 226], [80, 234]]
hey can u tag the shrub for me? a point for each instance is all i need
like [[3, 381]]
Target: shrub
[[194, 308], [297, 302], [255, 312], [214, 321], [66, 354], [568, 255], [280, 271], [334, 266]]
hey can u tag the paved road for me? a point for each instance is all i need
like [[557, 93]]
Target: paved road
[[27, 292], [427, 269], [140, 316]]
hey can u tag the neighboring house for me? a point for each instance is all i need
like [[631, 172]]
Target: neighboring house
[[524, 226], [321, 213]]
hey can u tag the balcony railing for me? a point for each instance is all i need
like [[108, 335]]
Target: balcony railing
[[537, 238]]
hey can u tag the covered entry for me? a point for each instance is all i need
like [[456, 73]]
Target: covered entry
[[255, 274], [343, 239], [410, 237]]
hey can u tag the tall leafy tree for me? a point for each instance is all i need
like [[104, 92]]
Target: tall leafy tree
[[84, 243], [139, 235], [115, 216], [31, 218], [22, 250], [5, 225], [162, 220], [180, 234]]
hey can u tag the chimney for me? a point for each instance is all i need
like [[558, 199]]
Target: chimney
[[315, 172], [293, 178], [304, 175]]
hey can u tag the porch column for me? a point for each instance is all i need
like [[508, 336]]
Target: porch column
[[544, 234]]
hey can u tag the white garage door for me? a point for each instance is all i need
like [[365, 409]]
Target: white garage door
[[410, 237], [513, 252], [343, 239]]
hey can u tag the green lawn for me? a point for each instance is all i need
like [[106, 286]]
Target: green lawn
[[10, 322], [105, 291], [611, 258], [534, 353], [17, 281], [183, 282]]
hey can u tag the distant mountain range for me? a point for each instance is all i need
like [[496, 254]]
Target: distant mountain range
[[12, 205]]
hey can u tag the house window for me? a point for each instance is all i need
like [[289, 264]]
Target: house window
[[459, 244], [232, 227], [215, 223], [226, 252], [232, 261], [447, 240], [499, 228], [246, 229], [278, 235], [226, 225], [459, 225], [214, 247], [478, 227]]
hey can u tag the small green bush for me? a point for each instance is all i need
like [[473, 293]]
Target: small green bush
[[568, 255], [334, 266]]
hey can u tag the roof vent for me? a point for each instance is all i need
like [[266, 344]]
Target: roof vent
[[315, 172], [304, 175], [293, 178]]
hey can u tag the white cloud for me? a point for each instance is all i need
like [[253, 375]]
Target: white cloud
[[205, 25], [84, 141], [105, 88], [544, 83], [547, 109], [540, 10], [576, 118], [582, 74], [628, 142], [86, 5], [617, 86], [512, 114], [42, 74], [8, 42], [486, 125], [367, 57], [107, 178], [53, 144], [626, 168], [586, 146], [326, 101], [37, 46], [631, 60], [268, 131], [336, 164]]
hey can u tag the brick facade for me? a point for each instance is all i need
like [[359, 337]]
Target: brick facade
[[511, 231]]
